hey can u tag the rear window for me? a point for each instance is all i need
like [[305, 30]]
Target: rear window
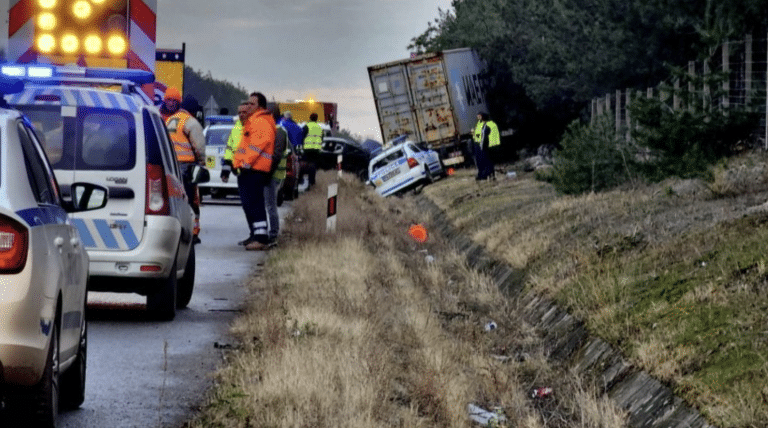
[[96, 140], [386, 160], [217, 136]]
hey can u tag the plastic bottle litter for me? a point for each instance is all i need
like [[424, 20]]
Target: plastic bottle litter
[[541, 392], [511, 174], [491, 326], [484, 417], [429, 259]]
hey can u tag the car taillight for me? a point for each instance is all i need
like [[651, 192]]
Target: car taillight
[[14, 240], [157, 191], [412, 163]]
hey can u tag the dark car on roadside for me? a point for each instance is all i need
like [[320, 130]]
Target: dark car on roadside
[[355, 157]]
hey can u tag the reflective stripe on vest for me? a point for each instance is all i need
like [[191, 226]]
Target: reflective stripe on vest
[[478, 137], [175, 124], [494, 139], [314, 139]]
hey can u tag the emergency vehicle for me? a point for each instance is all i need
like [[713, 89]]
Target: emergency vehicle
[[43, 327], [97, 125]]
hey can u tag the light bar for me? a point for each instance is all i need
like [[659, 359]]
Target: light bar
[[40, 72], [13, 70], [138, 77]]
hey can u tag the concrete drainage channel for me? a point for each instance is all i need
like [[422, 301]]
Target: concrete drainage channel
[[648, 402]]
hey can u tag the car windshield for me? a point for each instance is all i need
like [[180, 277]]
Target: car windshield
[[96, 139], [217, 136]]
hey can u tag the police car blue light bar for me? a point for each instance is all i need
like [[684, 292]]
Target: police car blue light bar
[[138, 77], [26, 71]]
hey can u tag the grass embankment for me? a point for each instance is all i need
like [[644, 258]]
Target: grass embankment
[[674, 274], [367, 328]]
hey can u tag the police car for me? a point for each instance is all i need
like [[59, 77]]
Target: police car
[[43, 276], [402, 166], [97, 125], [216, 136]]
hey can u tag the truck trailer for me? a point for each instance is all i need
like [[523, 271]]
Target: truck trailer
[[432, 98]]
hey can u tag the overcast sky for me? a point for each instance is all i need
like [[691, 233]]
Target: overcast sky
[[295, 49], [298, 49]]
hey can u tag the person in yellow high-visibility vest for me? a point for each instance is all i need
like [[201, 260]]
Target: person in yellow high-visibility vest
[[313, 142], [234, 141], [189, 144], [485, 137]]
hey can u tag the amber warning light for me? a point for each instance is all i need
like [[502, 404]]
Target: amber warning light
[[93, 28]]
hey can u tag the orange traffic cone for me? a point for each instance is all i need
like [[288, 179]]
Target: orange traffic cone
[[418, 233]]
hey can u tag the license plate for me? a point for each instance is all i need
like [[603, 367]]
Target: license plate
[[390, 174], [210, 162]]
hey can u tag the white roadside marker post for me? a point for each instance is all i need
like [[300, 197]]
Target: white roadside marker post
[[338, 164], [330, 222]]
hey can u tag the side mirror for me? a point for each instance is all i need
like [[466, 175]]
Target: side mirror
[[87, 197]]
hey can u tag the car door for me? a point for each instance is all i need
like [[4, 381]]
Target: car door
[[63, 242], [180, 207]]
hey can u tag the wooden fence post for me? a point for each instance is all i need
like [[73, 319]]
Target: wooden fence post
[[705, 94], [618, 111], [748, 69], [629, 117], [691, 86], [726, 67]]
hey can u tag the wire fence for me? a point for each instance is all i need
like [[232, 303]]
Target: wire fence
[[735, 75]]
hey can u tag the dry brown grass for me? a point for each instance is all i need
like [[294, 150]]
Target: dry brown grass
[[360, 329], [673, 274]]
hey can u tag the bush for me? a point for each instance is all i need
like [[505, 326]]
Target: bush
[[591, 158]]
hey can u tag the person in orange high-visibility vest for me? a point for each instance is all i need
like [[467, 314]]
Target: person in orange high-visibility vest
[[189, 144], [253, 163]]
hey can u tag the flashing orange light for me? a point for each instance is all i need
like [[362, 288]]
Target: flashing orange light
[[70, 43], [46, 21], [116, 44], [450, 171], [92, 44], [46, 4], [418, 233], [46, 43], [82, 9]]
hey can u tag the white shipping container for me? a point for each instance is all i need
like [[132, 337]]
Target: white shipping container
[[433, 98]]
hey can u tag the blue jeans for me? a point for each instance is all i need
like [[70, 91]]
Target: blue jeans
[[270, 200], [251, 186]]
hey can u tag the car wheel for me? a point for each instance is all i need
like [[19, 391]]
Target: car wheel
[[362, 174], [218, 193], [428, 179], [187, 283], [73, 380], [38, 406], [162, 303]]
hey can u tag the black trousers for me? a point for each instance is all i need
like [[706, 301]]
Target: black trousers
[[251, 186]]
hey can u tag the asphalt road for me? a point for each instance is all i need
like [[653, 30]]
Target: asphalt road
[[144, 373]]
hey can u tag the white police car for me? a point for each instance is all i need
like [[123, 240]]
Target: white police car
[[216, 137], [402, 166], [98, 126], [43, 277]]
